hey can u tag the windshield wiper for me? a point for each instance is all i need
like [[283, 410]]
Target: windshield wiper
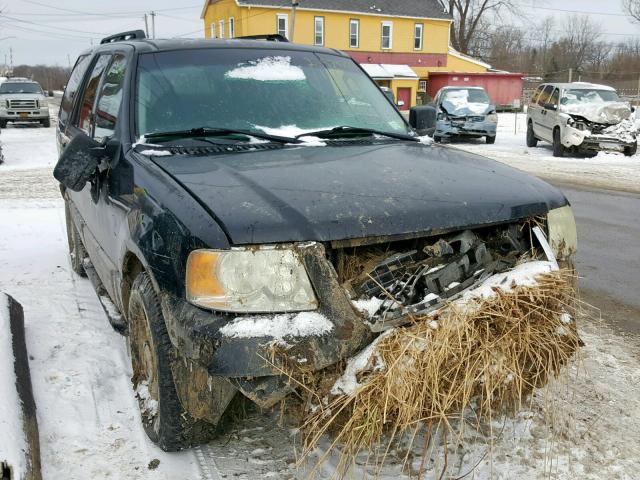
[[220, 132], [345, 129]]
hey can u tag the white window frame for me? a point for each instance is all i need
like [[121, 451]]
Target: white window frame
[[417, 26], [390, 25], [318, 21], [422, 85], [285, 17], [356, 22], [221, 29], [232, 27], [213, 30]]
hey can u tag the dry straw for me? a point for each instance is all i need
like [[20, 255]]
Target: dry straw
[[491, 353]]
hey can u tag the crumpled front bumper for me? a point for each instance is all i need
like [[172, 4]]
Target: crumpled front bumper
[[196, 334], [453, 128], [573, 137]]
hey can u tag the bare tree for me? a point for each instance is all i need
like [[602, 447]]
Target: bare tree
[[632, 7], [468, 16]]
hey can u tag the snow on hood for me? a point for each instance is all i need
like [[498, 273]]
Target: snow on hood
[[267, 69], [456, 102], [599, 112]]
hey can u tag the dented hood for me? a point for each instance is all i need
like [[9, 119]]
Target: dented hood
[[346, 192], [606, 112]]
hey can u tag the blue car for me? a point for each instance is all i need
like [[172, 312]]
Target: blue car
[[464, 112]]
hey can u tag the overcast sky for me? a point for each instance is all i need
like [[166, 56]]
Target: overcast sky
[[54, 31]]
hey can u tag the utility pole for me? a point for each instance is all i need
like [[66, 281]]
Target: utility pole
[[146, 26], [294, 6], [153, 24], [11, 58], [570, 75]]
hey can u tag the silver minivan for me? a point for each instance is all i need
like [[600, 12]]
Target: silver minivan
[[582, 118]]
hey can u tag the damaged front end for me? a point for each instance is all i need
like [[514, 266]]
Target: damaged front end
[[616, 131], [472, 125], [362, 287]]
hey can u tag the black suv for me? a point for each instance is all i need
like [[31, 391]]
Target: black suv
[[229, 196]]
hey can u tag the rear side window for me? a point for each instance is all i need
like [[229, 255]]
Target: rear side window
[[66, 105], [90, 92], [110, 98], [534, 97]]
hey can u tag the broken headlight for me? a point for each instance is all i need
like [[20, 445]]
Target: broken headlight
[[563, 236], [249, 280], [492, 117]]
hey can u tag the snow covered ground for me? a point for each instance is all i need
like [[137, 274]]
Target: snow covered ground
[[607, 170], [88, 416]]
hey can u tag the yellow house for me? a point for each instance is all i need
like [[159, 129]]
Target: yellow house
[[398, 42]]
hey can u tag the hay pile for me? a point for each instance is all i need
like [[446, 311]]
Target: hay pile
[[488, 352]]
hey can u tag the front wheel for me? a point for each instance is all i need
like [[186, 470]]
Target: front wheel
[[164, 419], [558, 148], [46, 123], [631, 151], [491, 140], [532, 141], [3, 124]]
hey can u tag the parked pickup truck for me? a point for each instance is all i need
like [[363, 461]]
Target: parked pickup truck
[[23, 100], [226, 197]]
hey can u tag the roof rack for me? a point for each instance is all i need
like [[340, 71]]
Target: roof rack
[[269, 37], [121, 37]]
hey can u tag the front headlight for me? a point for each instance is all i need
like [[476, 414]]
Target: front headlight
[[563, 236], [492, 117], [249, 280]]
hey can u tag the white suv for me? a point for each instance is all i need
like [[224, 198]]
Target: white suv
[[23, 100], [580, 118]]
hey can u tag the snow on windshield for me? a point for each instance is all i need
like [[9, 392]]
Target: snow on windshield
[[464, 102], [600, 106], [267, 69]]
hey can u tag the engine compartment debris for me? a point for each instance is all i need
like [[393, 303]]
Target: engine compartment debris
[[392, 287]]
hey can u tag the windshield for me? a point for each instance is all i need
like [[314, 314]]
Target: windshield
[[273, 91], [580, 96], [465, 101], [20, 87]]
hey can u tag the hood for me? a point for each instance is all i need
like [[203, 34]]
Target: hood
[[335, 193], [604, 112], [457, 109]]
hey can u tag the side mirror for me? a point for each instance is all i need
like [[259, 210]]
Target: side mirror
[[79, 162], [423, 119], [50, 93], [550, 106]]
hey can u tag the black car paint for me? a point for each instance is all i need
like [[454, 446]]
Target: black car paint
[[336, 193], [157, 209]]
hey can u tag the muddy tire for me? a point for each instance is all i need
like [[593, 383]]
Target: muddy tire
[[630, 151], [491, 140], [164, 419], [558, 148], [532, 141], [77, 252]]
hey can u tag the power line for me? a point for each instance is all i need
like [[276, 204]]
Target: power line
[[563, 10]]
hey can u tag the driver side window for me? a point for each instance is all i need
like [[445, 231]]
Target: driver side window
[[110, 99], [85, 122]]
